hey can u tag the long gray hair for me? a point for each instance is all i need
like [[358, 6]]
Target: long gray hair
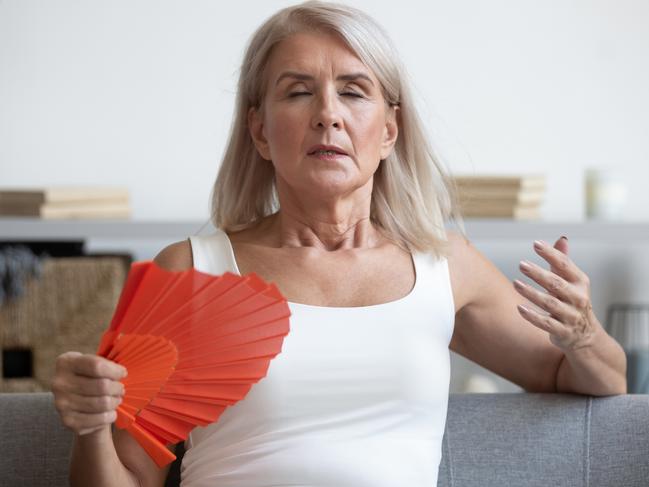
[[412, 196]]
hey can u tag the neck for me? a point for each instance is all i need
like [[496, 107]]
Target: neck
[[351, 231], [324, 222]]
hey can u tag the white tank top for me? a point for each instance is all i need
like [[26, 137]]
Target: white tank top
[[356, 398]]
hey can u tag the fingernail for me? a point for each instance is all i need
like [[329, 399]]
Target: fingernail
[[539, 244], [524, 265], [564, 237]]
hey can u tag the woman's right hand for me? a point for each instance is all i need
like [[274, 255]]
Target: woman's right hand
[[87, 391]]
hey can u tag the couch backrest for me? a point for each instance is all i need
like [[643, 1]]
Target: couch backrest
[[490, 440], [546, 440]]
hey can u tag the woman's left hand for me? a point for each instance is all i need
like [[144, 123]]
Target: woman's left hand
[[570, 321]]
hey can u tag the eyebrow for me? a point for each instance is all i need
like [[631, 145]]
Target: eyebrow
[[308, 77]]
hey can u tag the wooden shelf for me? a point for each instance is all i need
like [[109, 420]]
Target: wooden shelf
[[477, 229]]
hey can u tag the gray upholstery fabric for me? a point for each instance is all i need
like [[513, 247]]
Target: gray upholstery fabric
[[34, 445], [490, 440], [546, 440]]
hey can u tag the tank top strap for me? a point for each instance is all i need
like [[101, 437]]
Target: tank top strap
[[434, 290], [211, 253]]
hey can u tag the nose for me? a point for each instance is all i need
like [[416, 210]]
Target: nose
[[327, 112]]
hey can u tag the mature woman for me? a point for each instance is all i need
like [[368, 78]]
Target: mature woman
[[329, 189]]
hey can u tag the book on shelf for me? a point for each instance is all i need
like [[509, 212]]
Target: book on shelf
[[66, 202], [501, 182], [62, 194], [516, 212], [501, 197], [67, 210]]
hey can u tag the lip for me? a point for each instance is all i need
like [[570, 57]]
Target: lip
[[334, 148]]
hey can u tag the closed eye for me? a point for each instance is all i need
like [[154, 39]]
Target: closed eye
[[348, 93]]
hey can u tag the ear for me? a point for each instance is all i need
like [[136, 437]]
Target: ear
[[256, 128], [391, 131]]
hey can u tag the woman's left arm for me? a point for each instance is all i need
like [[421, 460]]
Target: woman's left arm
[[593, 362]]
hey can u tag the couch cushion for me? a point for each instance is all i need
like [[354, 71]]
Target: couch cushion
[[35, 444]]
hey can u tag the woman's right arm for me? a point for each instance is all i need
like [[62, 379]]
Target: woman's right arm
[[87, 391]]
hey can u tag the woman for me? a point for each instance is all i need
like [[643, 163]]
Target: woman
[[329, 189]]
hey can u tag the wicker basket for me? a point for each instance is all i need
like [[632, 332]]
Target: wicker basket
[[67, 308]]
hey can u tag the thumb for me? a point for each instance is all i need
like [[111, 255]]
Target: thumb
[[562, 244]]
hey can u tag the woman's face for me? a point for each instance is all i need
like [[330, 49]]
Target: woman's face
[[319, 92]]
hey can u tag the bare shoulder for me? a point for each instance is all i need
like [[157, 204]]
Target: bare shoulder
[[469, 269], [176, 256], [457, 259]]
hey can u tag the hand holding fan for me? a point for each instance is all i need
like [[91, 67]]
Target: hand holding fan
[[193, 344]]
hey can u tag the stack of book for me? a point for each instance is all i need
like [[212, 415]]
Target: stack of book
[[65, 202], [501, 196]]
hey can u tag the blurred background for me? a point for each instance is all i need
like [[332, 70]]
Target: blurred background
[[139, 95]]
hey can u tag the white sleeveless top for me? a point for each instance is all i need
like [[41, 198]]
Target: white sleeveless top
[[356, 398]]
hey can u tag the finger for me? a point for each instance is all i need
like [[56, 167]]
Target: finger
[[553, 283], [555, 307], [87, 386], [559, 262], [95, 366], [544, 322], [562, 244], [556, 286], [91, 404], [85, 423]]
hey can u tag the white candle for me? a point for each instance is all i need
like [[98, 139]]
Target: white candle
[[605, 195]]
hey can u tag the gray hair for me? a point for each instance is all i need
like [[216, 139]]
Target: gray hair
[[412, 196]]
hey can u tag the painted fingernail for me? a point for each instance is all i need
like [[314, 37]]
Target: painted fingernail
[[523, 308], [519, 284], [525, 265], [564, 237], [539, 244]]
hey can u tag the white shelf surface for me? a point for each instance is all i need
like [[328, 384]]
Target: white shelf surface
[[35, 229], [477, 229]]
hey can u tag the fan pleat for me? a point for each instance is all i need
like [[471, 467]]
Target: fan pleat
[[151, 441], [165, 436], [179, 428]]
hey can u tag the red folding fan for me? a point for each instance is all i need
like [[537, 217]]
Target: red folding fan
[[193, 344]]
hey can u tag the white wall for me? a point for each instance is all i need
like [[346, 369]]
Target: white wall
[[140, 93]]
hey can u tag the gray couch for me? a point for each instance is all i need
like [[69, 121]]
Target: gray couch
[[499, 440]]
